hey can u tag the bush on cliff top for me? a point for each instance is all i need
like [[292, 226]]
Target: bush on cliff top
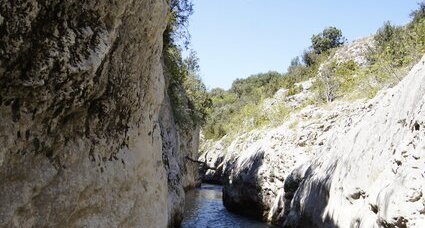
[[329, 38], [188, 94], [395, 50]]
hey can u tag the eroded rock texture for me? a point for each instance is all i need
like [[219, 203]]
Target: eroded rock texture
[[177, 144], [81, 88], [346, 164], [373, 173]]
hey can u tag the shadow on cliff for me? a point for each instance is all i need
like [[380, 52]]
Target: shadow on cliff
[[306, 198], [212, 174], [242, 190]]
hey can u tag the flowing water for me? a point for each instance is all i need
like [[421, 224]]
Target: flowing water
[[204, 208]]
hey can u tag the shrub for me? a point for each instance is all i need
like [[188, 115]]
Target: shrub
[[188, 95], [178, 20], [309, 57], [386, 34], [294, 90], [395, 49], [336, 80], [278, 115], [257, 86], [329, 38], [295, 62], [418, 14]]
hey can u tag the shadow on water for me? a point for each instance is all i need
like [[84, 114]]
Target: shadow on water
[[204, 208]]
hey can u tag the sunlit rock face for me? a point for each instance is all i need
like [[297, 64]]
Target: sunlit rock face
[[357, 164], [254, 166], [346, 164], [258, 163], [371, 174], [81, 89]]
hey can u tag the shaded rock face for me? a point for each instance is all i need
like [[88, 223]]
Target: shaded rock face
[[372, 174], [81, 89], [258, 163], [244, 188], [213, 158], [181, 173]]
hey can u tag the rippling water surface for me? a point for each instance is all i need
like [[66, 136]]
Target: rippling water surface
[[204, 208]]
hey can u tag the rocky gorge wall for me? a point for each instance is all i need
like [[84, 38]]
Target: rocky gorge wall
[[83, 116], [371, 174], [347, 164], [177, 144]]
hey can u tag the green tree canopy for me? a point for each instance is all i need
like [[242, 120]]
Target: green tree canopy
[[419, 13], [329, 38], [178, 20]]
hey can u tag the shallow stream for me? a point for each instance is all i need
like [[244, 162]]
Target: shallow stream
[[204, 208]]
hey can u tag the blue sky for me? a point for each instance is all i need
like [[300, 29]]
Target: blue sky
[[238, 38]]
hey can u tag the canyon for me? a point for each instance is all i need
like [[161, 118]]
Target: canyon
[[357, 163], [87, 135], [90, 135]]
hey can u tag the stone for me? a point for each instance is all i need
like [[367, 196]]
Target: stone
[[346, 164], [363, 158], [85, 118]]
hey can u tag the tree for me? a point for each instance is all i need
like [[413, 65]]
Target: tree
[[188, 95], [385, 34], [331, 37], [199, 100], [328, 81], [418, 14], [309, 57], [178, 20], [268, 83], [295, 62]]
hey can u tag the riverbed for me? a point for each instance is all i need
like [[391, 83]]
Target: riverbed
[[204, 208]]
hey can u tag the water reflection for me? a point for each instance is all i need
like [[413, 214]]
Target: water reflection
[[204, 208]]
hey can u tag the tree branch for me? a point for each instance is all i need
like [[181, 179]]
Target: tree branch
[[200, 162]]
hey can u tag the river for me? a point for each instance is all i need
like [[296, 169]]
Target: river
[[204, 208]]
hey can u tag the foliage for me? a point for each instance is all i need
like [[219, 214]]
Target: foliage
[[188, 95], [260, 84], [178, 20], [295, 62], [395, 49], [391, 45], [321, 44], [329, 38], [240, 108], [336, 80], [309, 57], [386, 34], [418, 14], [199, 99]]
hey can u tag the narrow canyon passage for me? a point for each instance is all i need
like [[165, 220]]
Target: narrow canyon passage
[[112, 114], [204, 208]]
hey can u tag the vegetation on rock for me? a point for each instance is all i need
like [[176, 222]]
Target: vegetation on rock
[[188, 94], [389, 55]]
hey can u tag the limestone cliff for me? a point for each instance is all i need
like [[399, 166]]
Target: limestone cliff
[[345, 164], [371, 174], [177, 143], [81, 92]]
